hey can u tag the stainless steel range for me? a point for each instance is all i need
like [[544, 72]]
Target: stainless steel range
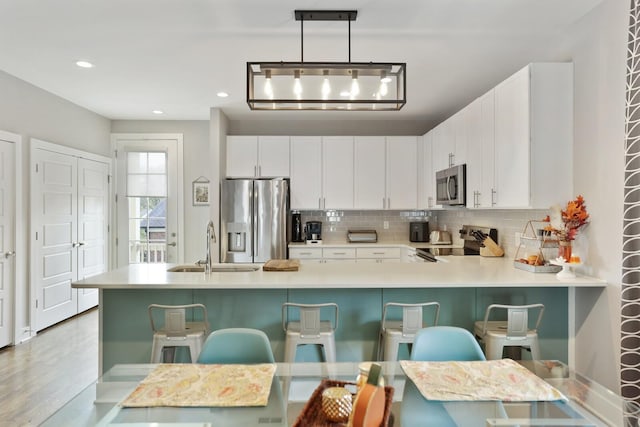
[[471, 235]]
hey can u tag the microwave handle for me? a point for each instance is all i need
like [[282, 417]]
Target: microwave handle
[[448, 194]]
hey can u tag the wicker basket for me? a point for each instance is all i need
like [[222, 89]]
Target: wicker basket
[[313, 416]]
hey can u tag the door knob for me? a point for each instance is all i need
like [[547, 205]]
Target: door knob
[[174, 244]]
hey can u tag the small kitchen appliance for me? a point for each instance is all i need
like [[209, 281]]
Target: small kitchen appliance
[[313, 231], [296, 227], [362, 236], [419, 232], [451, 186], [473, 238]]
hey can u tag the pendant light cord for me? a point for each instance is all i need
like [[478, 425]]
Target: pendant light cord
[[349, 21], [302, 39]]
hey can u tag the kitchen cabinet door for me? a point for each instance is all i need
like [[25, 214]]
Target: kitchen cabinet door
[[512, 141], [485, 197], [443, 137], [461, 124], [402, 172], [426, 174], [369, 172], [306, 172], [273, 156], [480, 162], [337, 172], [242, 156]]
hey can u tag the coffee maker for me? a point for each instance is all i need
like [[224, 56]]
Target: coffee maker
[[313, 231], [296, 227]]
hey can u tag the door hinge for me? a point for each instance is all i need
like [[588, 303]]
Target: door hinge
[[116, 241], [115, 154], [108, 179], [36, 303], [36, 235], [36, 168], [116, 198]]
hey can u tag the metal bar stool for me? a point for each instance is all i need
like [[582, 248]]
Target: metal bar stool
[[515, 331], [177, 332], [396, 332], [309, 330]]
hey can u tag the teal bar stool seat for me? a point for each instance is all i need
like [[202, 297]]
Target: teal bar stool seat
[[236, 346]]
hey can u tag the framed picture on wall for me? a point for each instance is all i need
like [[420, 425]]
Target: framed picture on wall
[[201, 192]]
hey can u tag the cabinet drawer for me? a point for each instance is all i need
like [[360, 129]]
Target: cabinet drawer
[[338, 253], [305, 253], [378, 253]]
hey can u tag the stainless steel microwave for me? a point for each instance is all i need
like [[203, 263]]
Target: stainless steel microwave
[[451, 186]]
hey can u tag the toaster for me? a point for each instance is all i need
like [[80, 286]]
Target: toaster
[[419, 232]]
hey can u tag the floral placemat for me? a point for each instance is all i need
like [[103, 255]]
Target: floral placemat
[[504, 380], [187, 385]]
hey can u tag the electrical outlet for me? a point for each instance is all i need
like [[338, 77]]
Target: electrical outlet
[[518, 235], [385, 225]]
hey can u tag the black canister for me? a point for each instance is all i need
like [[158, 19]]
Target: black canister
[[296, 227]]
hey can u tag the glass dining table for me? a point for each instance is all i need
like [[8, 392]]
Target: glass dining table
[[587, 403]]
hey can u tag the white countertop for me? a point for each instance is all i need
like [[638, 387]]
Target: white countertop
[[455, 271]]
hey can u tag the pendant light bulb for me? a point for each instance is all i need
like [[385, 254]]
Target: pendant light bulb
[[326, 86], [384, 90], [297, 86], [355, 87], [268, 89]]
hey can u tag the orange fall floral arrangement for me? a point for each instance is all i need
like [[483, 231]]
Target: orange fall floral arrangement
[[566, 223]]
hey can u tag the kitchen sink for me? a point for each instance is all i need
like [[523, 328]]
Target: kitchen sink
[[215, 268]]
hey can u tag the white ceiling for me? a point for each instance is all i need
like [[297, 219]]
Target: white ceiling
[[175, 55]]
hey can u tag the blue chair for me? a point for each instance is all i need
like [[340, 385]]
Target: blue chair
[[442, 344], [236, 346], [445, 343]]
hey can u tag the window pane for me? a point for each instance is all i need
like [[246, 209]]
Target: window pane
[[137, 185], [157, 163], [137, 162], [157, 186]]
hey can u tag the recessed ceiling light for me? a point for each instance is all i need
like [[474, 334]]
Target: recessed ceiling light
[[84, 64], [222, 94], [158, 112]]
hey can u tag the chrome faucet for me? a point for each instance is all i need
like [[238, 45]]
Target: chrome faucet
[[211, 235]]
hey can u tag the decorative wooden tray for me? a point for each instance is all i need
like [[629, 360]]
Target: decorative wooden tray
[[313, 416]]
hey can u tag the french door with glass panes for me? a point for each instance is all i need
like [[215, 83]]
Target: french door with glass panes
[[147, 200]]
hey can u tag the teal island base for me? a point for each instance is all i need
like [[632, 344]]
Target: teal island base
[[126, 334]]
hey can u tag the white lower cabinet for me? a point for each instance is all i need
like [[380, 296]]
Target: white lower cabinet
[[378, 254]]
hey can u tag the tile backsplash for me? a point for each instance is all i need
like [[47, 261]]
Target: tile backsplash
[[336, 223]]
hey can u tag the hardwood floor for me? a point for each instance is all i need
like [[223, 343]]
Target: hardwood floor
[[42, 374]]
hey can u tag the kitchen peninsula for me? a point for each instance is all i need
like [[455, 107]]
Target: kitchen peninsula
[[464, 286]]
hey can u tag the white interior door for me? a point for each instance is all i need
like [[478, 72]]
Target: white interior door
[[54, 233], [7, 243], [148, 180], [93, 199]]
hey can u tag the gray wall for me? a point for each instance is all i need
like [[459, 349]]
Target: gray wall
[[598, 46], [33, 113]]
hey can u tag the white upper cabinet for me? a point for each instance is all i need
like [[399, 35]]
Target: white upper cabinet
[[402, 172], [480, 152], [257, 156], [369, 172], [337, 172], [533, 137], [306, 172], [426, 174]]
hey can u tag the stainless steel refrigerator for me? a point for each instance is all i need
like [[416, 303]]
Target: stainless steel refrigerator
[[253, 219]]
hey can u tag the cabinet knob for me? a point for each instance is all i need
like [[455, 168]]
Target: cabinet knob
[[9, 254]]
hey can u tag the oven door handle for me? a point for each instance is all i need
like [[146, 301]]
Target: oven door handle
[[426, 256]]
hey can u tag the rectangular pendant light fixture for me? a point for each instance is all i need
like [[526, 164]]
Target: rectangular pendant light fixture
[[348, 86]]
